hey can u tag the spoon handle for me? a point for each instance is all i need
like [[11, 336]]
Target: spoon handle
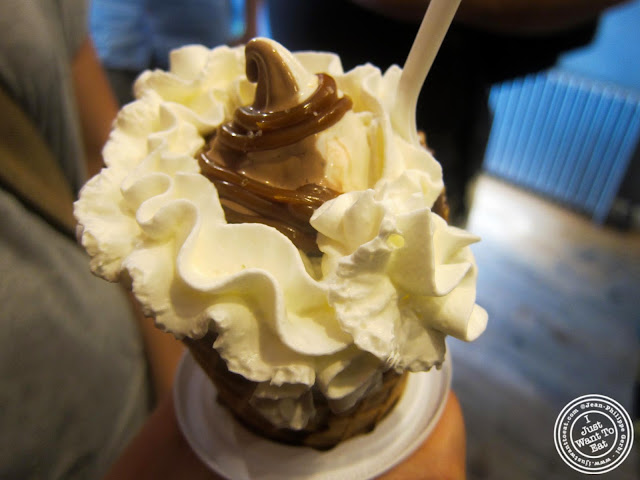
[[433, 29]]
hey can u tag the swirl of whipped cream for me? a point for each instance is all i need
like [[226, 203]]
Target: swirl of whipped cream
[[393, 279]]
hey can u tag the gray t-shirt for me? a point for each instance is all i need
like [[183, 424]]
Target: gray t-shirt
[[73, 379], [39, 41], [74, 383]]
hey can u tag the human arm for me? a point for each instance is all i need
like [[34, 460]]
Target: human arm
[[443, 455], [97, 108], [96, 103], [506, 16], [163, 352], [160, 450], [251, 18], [531, 16]]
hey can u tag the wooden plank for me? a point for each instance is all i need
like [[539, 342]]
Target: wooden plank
[[563, 297]]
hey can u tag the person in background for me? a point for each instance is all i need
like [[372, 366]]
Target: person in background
[[489, 42], [80, 370], [135, 35]]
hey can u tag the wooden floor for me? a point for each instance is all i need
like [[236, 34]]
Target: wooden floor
[[563, 297]]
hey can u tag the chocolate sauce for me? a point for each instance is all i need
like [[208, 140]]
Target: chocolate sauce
[[264, 163], [254, 130], [245, 200]]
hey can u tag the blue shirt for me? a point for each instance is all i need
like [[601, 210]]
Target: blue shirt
[[139, 34]]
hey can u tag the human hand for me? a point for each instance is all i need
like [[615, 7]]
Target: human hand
[[161, 451], [442, 456]]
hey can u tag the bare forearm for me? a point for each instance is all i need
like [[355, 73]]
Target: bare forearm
[[521, 16], [160, 451], [96, 103], [163, 353], [97, 108], [442, 456], [530, 16]]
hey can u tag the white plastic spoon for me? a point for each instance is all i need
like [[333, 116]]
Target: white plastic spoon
[[433, 28]]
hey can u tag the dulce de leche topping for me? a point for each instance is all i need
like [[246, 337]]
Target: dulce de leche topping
[[264, 162]]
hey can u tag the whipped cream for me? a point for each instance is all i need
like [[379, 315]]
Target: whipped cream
[[393, 280]]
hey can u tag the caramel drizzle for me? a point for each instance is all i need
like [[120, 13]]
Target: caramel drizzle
[[254, 130], [288, 211]]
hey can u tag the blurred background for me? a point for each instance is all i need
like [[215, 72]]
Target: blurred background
[[555, 198]]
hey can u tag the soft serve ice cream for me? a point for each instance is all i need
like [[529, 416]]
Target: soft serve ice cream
[[311, 254]]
